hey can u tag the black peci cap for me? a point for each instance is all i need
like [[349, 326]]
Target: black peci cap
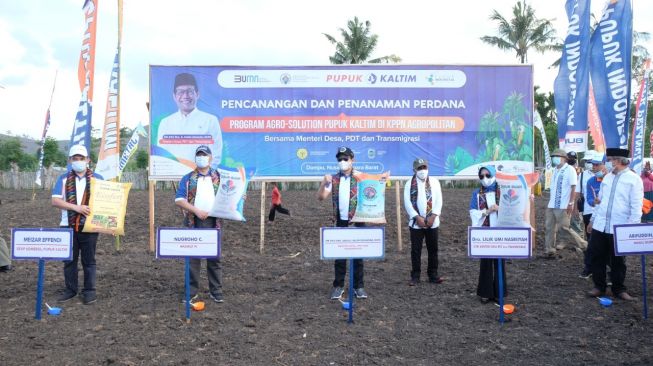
[[343, 150]]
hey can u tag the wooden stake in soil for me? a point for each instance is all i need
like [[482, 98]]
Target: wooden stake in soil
[[398, 199], [152, 186], [262, 246]]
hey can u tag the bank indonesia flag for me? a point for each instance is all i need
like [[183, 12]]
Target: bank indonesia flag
[[571, 87], [611, 48]]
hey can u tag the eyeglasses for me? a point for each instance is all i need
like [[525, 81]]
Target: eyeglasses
[[422, 167], [486, 175], [343, 159], [189, 92]]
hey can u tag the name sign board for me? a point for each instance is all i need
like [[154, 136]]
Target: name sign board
[[633, 239], [183, 243], [38, 243], [352, 242], [499, 242]]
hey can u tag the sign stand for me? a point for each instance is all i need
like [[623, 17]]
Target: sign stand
[[187, 287], [500, 269], [39, 290], [645, 307], [262, 244], [400, 244], [351, 292], [631, 239]]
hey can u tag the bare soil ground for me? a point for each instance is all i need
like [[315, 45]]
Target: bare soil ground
[[277, 312]]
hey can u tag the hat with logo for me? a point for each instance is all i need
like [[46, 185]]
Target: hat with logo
[[185, 79], [343, 150], [559, 152], [78, 150], [598, 158], [420, 162], [203, 149], [622, 153]]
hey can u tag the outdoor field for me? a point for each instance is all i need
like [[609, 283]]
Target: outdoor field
[[277, 311]]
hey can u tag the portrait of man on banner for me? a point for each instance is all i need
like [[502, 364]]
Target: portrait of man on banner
[[180, 133]]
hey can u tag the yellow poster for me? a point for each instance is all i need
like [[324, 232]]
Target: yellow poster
[[108, 204]]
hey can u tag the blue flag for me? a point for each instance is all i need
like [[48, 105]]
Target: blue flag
[[640, 122], [611, 51], [571, 87]]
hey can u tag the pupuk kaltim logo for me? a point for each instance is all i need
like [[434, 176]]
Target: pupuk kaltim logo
[[511, 197], [369, 193]]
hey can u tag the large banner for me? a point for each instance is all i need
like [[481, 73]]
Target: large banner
[[289, 121], [572, 84], [611, 49], [81, 134], [637, 146]]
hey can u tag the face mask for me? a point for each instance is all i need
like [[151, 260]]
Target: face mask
[[486, 182], [608, 166], [599, 174], [79, 166], [344, 165], [422, 174], [588, 166], [202, 161], [555, 160]]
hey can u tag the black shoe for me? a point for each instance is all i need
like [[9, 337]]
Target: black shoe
[[413, 282], [437, 279], [192, 298], [67, 295], [7, 268], [585, 274], [217, 297], [89, 298]]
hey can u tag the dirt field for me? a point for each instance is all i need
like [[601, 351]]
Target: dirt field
[[277, 312]]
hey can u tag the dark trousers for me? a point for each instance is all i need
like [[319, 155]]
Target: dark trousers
[[85, 244], [417, 236], [601, 250], [213, 266], [276, 208], [488, 278], [340, 265], [586, 261]]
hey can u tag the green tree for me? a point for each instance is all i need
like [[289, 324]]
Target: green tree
[[52, 156], [142, 159], [357, 45], [523, 32], [11, 151]]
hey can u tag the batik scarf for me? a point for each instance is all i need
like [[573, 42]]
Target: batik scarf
[[76, 220], [191, 189], [482, 201], [427, 189], [353, 195]]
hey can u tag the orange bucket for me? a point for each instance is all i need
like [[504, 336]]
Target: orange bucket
[[197, 306], [508, 308]]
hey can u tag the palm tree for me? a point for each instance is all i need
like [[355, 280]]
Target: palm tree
[[523, 32], [357, 45]]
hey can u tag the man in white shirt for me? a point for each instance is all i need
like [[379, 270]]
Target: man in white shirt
[[343, 189], [619, 202], [561, 205], [423, 203], [182, 131], [71, 194]]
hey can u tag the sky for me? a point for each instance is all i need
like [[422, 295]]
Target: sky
[[40, 38]]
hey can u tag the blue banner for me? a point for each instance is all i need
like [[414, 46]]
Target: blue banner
[[571, 87], [611, 51], [640, 123], [288, 122]]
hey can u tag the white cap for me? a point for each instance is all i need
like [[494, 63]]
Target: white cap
[[78, 150]]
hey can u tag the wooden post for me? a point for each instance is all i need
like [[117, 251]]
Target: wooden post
[[262, 245], [152, 186], [398, 199]]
